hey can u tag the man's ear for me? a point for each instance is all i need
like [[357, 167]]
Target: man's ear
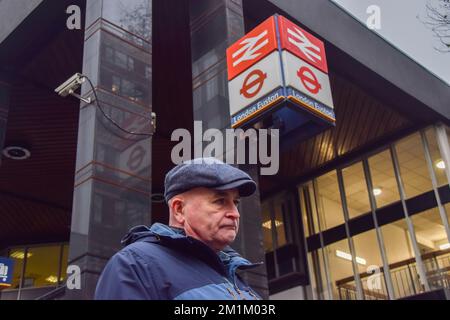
[[177, 209]]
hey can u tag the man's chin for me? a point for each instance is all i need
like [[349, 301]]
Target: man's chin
[[228, 238]]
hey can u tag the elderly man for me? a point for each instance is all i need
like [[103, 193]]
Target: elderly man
[[190, 258]]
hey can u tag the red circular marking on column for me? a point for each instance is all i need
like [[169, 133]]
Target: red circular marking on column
[[136, 157]]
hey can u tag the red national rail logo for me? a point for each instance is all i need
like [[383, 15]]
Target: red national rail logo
[[302, 44], [253, 47], [262, 40]]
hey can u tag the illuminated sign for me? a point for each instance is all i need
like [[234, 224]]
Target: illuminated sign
[[277, 65], [256, 45], [255, 82], [302, 44], [6, 271]]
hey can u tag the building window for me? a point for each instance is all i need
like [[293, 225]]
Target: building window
[[413, 166], [356, 192], [121, 60], [319, 275], [64, 263], [308, 209], [109, 54], [434, 247], [267, 227], [18, 255], [400, 257], [447, 210], [148, 72], [329, 206], [377, 241], [340, 270], [277, 223], [44, 265], [370, 264], [384, 183], [437, 160]]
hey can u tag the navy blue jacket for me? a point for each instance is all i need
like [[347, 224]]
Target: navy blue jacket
[[162, 263]]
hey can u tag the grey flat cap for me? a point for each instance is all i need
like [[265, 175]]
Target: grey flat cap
[[208, 173]]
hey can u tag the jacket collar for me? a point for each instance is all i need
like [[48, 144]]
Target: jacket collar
[[227, 260]]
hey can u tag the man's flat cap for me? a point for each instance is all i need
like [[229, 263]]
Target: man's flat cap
[[207, 173]]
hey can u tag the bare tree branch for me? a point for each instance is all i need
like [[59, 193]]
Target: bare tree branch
[[437, 19]]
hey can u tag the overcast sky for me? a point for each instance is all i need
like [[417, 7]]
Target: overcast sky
[[401, 27]]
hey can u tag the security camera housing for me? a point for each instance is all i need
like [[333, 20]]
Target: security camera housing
[[72, 84]]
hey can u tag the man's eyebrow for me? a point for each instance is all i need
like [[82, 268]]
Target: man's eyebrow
[[219, 193]]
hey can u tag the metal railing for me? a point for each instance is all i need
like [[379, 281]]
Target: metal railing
[[405, 278]]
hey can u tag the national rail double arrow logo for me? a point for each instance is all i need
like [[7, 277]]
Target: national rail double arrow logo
[[253, 83], [309, 80]]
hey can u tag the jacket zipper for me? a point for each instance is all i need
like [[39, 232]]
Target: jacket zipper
[[236, 289], [232, 294], [250, 292]]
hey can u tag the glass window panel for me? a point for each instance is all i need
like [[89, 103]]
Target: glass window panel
[[318, 275], [436, 158], [341, 270], [121, 59], [447, 129], [64, 262], [18, 255], [42, 266], [308, 210], [400, 256], [385, 187], [130, 64], [413, 166], [280, 221], [304, 212], [447, 211], [329, 201], [356, 190], [370, 263], [266, 226], [444, 259], [431, 238], [109, 54]]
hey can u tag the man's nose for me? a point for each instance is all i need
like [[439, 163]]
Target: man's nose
[[233, 212]]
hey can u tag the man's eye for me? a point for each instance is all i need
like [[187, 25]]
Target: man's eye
[[220, 201], [236, 202]]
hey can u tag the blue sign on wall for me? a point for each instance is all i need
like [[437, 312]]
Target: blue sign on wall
[[6, 271]]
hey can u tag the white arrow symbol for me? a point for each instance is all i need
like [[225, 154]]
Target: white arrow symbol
[[304, 45], [250, 48]]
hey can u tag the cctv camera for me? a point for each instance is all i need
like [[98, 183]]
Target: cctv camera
[[72, 84]]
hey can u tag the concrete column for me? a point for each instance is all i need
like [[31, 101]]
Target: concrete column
[[113, 166]]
